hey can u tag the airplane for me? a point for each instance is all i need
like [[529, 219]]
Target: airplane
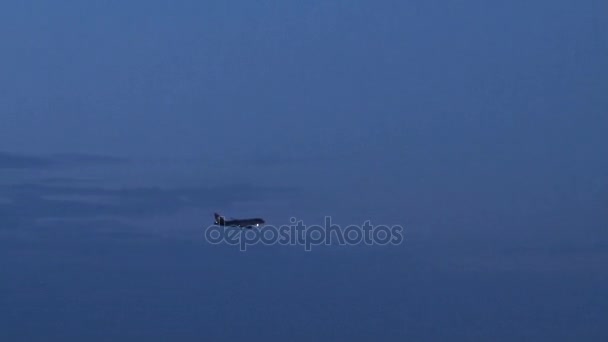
[[239, 223]]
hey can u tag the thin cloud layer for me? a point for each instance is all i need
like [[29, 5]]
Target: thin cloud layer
[[28, 203], [14, 161], [22, 161]]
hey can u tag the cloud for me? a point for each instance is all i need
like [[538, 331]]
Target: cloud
[[30, 203], [80, 159], [13, 161], [20, 161]]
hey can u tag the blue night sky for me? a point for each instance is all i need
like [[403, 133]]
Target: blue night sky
[[480, 127]]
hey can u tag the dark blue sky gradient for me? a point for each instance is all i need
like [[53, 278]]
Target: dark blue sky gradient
[[478, 126]]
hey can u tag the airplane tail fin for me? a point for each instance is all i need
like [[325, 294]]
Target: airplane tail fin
[[219, 219]]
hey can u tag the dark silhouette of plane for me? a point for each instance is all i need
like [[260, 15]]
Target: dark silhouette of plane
[[244, 223]]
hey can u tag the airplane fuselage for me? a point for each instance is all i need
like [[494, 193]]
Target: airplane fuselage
[[249, 223]]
